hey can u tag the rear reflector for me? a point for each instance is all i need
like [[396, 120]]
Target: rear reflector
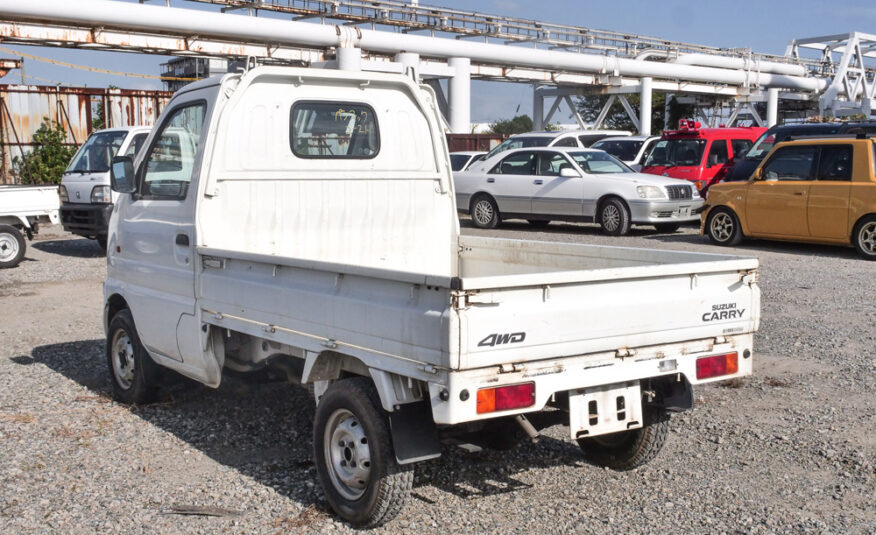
[[505, 398], [717, 365]]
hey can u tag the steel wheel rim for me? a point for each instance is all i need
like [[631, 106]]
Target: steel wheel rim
[[610, 217], [483, 212], [867, 238], [8, 247], [123, 359], [722, 226], [347, 454]]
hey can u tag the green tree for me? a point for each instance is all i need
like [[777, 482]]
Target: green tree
[[46, 162], [517, 125]]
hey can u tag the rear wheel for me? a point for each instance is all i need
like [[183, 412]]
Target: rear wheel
[[723, 227], [132, 371], [12, 247], [864, 237], [484, 212], [614, 216], [629, 449], [666, 228], [355, 461]]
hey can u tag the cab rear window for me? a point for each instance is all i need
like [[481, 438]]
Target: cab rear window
[[329, 130]]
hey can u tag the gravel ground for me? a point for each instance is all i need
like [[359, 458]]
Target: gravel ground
[[790, 449]]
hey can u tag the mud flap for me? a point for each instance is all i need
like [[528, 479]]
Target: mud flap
[[414, 435]]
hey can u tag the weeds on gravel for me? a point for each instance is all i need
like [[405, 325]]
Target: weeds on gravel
[[736, 382], [309, 516], [18, 418], [780, 383]]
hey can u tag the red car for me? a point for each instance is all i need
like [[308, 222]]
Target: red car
[[701, 155]]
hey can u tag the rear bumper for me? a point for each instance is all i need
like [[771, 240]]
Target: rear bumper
[[459, 403], [675, 211], [89, 220]]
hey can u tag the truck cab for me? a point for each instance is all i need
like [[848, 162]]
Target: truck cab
[[699, 154], [86, 197]]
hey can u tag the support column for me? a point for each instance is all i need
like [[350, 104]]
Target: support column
[[537, 109], [459, 95], [772, 106], [349, 58], [645, 107], [408, 60]]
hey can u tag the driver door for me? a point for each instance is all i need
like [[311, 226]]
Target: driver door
[[555, 194], [776, 203]]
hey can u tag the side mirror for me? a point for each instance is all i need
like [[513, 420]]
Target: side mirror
[[756, 175], [568, 172], [122, 175]]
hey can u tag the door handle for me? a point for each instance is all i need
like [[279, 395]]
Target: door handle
[[539, 181], [182, 239], [491, 179], [799, 193]]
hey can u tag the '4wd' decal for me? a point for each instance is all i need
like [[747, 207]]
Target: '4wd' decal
[[499, 339]]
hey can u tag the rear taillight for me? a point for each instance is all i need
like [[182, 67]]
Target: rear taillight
[[505, 398], [717, 365]]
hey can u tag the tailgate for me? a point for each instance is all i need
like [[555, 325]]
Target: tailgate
[[623, 308]]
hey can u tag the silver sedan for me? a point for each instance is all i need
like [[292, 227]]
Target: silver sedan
[[541, 185]]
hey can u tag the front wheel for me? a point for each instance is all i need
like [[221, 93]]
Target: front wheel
[[12, 246], [614, 216], [723, 227], [629, 449], [131, 369], [484, 212], [864, 238], [354, 458]]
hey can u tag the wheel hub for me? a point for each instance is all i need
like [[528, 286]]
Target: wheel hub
[[483, 212], [722, 227], [867, 238], [123, 359], [347, 454], [610, 217], [8, 247]]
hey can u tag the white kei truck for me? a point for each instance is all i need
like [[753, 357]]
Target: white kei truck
[[314, 230], [22, 209]]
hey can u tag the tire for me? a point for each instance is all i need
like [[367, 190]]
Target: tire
[[666, 228], [101, 242], [629, 449], [538, 223], [864, 237], [723, 227], [131, 369], [614, 216], [354, 457], [12, 247], [484, 212]]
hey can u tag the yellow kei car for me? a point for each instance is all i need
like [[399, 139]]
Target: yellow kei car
[[812, 190]]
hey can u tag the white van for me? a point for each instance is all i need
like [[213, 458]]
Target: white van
[[86, 198]]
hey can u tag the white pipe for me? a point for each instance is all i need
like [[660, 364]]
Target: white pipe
[[723, 62], [158, 19], [537, 109], [772, 106], [459, 96], [645, 107], [349, 59]]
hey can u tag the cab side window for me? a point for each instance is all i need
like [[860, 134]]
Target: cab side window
[[136, 144], [790, 163], [835, 162], [740, 147], [519, 163], [171, 159], [718, 153], [566, 142], [550, 163]]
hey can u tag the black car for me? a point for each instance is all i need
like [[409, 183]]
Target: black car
[[743, 168]]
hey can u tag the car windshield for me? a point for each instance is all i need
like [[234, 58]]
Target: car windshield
[[676, 152], [96, 155], [597, 162], [625, 150], [520, 142]]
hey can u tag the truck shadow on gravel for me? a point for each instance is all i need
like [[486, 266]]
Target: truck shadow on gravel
[[76, 247], [263, 429], [561, 227], [766, 246]]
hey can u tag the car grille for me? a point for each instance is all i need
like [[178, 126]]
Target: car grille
[[679, 192]]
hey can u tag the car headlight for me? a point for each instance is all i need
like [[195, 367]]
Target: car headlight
[[62, 193], [101, 194], [696, 193], [650, 192]]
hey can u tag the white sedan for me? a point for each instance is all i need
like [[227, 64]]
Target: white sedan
[[574, 184]]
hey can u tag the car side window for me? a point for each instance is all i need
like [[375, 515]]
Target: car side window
[[790, 163], [171, 159], [550, 163], [136, 144], [740, 147], [718, 153], [566, 142], [519, 163], [835, 162]]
